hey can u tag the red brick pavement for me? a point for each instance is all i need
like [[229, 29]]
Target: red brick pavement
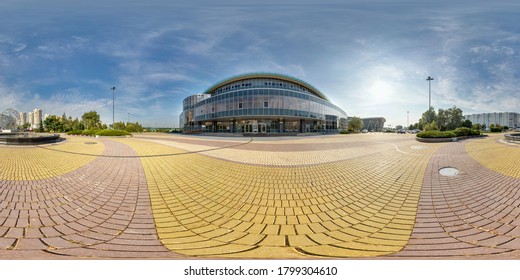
[[101, 210], [475, 214]]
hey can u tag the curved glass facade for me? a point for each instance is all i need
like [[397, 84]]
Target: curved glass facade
[[261, 103]]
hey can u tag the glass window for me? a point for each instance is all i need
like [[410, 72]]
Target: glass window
[[266, 104]]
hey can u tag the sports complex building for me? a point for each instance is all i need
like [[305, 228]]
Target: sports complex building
[[261, 103]]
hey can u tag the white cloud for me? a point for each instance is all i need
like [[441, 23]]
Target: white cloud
[[61, 48], [10, 98]]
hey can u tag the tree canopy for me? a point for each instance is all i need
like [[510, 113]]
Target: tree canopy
[[445, 119], [355, 124], [91, 120]]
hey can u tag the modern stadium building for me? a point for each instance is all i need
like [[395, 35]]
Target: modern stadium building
[[261, 103]]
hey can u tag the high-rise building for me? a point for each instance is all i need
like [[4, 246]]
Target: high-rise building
[[30, 119], [37, 113], [509, 119], [23, 118]]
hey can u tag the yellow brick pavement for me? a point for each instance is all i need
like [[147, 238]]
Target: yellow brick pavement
[[499, 157], [35, 163], [360, 207], [276, 157]]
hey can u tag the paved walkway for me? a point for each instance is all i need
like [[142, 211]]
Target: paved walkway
[[164, 196]]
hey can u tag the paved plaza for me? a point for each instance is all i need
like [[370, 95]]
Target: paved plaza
[[158, 196]]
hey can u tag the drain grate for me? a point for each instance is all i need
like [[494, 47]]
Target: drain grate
[[90, 143], [449, 171]]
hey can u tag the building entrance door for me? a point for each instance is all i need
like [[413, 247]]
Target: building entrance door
[[262, 127]]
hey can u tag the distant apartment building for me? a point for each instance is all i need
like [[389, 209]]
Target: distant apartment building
[[37, 113], [30, 119], [34, 118], [508, 119], [23, 118]]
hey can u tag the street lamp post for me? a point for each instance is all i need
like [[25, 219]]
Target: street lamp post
[[127, 121], [407, 119], [429, 79], [113, 106]]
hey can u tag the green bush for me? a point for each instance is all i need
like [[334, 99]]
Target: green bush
[[436, 134], [464, 131], [344, 132], [75, 132], [114, 132], [432, 126], [89, 132], [94, 132]]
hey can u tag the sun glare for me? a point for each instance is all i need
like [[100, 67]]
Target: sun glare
[[381, 90]]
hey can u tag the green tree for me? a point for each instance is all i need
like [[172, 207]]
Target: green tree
[[426, 118], [91, 120], [431, 126], [398, 127], [455, 118], [495, 128], [477, 126], [119, 126], [53, 124], [77, 125], [442, 119], [355, 124], [67, 122], [134, 127], [445, 119], [467, 123]]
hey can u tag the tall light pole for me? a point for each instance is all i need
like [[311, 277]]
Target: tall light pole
[[429, 79], [127, 121], [407, 119], [113, 106]]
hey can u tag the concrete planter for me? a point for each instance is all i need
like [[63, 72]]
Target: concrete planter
[[449, 139]]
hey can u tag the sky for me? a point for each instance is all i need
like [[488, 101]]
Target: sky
[[371, 58]]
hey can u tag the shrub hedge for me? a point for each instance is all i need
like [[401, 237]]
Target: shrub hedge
[[436, 134], [104, 132], [114, 132], [461, 131], [464, 131]]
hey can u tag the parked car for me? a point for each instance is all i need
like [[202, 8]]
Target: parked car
[[364, 131]]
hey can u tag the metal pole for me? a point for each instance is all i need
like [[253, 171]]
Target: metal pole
[[429, 79], [407, 119], [113, 106]]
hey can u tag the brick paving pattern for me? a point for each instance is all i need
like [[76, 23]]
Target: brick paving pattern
[[342, 196], [99, 210]]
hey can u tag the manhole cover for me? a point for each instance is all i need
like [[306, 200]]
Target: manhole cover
[[90, 143], [449, 171]]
